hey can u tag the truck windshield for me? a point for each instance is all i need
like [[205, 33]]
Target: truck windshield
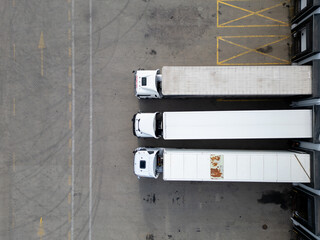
[[138, 125], [159, 125]]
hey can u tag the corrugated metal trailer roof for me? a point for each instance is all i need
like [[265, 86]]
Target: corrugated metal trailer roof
[[237, 80]]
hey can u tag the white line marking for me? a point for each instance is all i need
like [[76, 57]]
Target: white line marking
[[73, 121], [90, 122]]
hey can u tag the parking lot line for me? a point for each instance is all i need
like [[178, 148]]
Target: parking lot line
[[73, 118], [90, 121]]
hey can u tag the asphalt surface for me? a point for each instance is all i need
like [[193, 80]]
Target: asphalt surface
[[59, 183]]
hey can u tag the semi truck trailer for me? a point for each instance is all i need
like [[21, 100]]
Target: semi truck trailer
[[222, 165], [226, 81], [254, 124]]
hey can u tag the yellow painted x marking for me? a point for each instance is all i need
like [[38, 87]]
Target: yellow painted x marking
[[249, 50], [250, 13]]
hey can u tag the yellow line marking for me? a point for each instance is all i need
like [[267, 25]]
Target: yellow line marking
[[14, 51], [218, 38], [250, 64], [70, 161], [13, 3], [69, 216], [248, 26], [218, 13], [14, 107], [69, 235], [40, 232], [70, 125], [69, 197], [283, 37], [233, 0], [69, 180], [69, 15], [70, 52], [14, 162], [70, 88], [246, 36], [70, 142], [251, 13], [70, 107], [69, 71], [69, 34], [41, 46]]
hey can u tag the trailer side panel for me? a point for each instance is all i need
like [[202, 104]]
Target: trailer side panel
[[236, 166]]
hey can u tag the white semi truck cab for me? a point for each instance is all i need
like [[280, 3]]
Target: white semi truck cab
[[147, 125], [148, 84], [148, 162]]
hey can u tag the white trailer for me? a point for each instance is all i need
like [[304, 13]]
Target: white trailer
[[222, 165], [227, 81], [258, 124]]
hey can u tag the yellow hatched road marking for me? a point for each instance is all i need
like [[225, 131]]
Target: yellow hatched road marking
[[251, 13], [249, 50], [252, 50]]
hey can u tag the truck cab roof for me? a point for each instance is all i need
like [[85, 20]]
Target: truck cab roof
[[145, 125], [145, 162], [146, 84]]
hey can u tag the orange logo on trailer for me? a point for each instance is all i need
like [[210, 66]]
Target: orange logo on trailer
[[216, 166]]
